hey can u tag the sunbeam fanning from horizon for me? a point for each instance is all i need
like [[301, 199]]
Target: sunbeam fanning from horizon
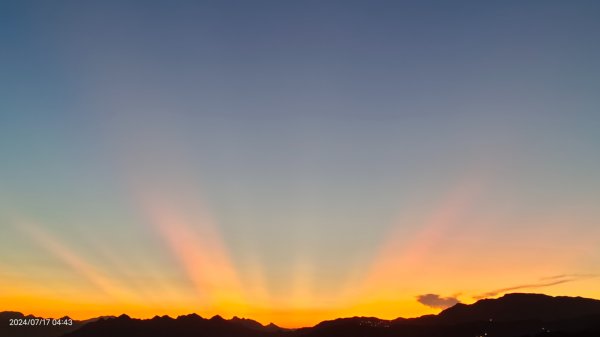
[[108, 286], [198, 248], [399, 255]]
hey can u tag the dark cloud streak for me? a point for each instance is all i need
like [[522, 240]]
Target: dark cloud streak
[[544, 282], [574, 276], [436, 301]]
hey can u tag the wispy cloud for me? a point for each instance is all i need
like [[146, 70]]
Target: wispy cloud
[[542, 282], [436, 301], [563, 276]]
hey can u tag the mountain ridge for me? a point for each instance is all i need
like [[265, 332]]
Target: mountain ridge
[[512, 315]]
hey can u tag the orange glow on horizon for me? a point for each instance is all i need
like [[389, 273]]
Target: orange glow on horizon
[[400, 271]]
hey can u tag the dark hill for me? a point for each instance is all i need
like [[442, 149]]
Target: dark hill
[[513, 307]]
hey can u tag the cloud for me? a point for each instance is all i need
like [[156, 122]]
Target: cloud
[[436, 301], [573, 276], [543, 282]]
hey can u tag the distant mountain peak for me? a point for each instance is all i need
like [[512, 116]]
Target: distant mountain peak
[[189, 316], [217, 318]]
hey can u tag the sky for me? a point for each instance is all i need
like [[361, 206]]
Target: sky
[[296, 161]]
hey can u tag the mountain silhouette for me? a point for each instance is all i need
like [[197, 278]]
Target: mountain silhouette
[[518, 306], [183, 326], [513, 315], [50, 330]]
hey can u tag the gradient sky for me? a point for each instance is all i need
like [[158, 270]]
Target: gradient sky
[[294, 161]]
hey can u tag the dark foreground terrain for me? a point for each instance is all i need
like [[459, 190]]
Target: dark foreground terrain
[[513, 315]]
